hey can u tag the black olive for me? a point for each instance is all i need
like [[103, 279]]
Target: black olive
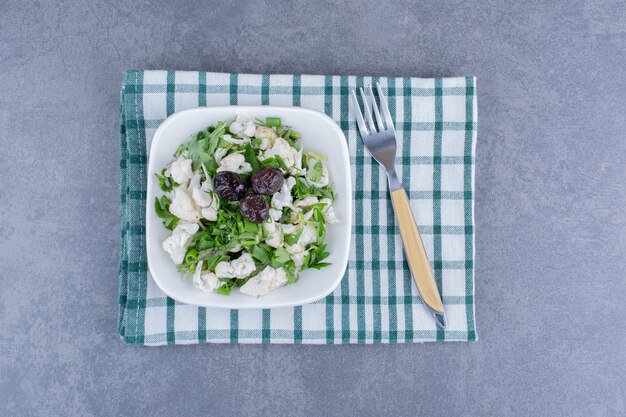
[[254, 208], [267, 181], [229, 185]]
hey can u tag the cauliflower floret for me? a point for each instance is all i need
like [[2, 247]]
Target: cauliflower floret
[[309, 235], [281, 148], [294, 217], [235, 162], [176, 244], [275, 214], [321, 181], [198, 270], [206, 281], [329, 211], [219, 154], [305, 202], [183, 207], [267, 280], [207, 185], [238, 268], [265, 143], [210, 213], [180, 170], [242, 127], [201, 197], [276, 231], [293, 249], [263, 132], [201, 193], [287, 228], [297, 251], [298, 258], [267, 136], [204, 197], [194, 183], [297, 166], [235, 141], [274, 234], [283, 198], [291, 181], [187, 227]]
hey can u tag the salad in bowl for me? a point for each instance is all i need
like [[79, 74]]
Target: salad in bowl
[[247, 207]]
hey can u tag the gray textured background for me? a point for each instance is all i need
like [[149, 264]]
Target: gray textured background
[[550, 208]]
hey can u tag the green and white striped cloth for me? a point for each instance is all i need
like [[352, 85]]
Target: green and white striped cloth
[[377, 301]]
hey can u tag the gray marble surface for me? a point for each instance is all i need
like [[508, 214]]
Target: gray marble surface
[[550, 207]]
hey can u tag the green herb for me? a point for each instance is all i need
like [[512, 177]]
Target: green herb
[[321, 225], [272, 121], [166, 183], [222, 143], [162, 209], [197, 151], [270, 162], [275, 162], [212, 146], [317, 255], [281, 163], [226, 287], [284, 132], [201, 148], [293, 239], [217, 232], [219, 251], [292, 272], [261, 255], [280, 258], [211, 167], [250, 227], [211, 263], [302, 190], [179, 151], [203, 240], [293, 143], [192, 256], [251, 157], [319, 206], [320, 265], [218, 131], [189, 261]]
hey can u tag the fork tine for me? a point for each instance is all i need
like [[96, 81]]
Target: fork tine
[[379, 120], [368, 111], [357, 113], [384, 107]]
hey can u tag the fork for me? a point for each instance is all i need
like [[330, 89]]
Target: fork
[[380, 140]]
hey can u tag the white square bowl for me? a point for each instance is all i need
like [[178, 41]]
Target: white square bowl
[[320, 134]]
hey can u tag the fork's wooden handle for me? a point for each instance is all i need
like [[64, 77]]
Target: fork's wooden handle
[[414, 250]]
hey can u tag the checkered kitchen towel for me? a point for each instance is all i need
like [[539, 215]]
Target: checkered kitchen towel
[[377, 301]]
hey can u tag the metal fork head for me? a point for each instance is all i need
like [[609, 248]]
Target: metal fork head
[[378, 137]]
